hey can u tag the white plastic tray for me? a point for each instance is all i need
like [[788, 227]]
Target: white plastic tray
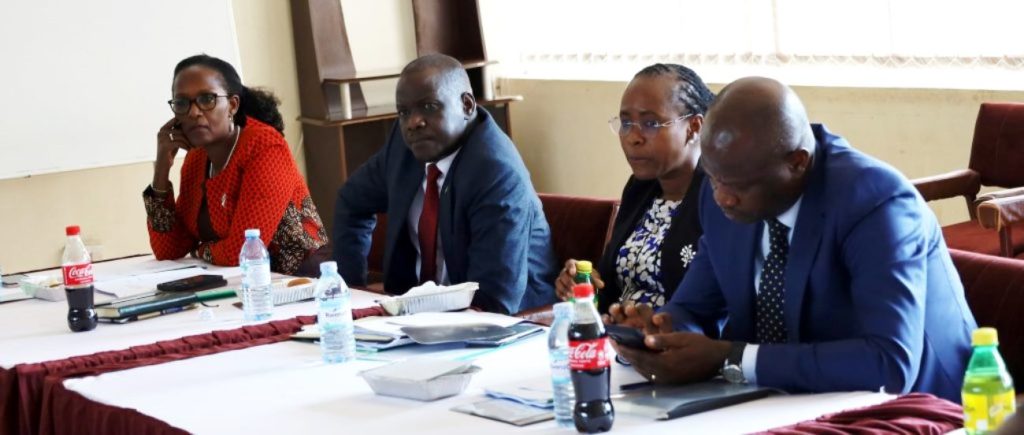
[[457, 298]]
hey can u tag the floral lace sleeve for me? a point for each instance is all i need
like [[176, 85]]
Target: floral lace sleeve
[[160, 209]]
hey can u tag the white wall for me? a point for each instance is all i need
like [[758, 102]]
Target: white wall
[[921, 132], [107, 202]]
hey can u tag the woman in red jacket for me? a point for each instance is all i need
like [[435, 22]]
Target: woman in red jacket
[[238, 174]]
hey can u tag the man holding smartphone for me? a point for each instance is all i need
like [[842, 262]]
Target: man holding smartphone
[[820, 269]]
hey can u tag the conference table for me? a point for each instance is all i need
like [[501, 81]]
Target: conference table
[[210, 372]]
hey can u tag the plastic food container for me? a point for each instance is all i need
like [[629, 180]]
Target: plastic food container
[[419, 380], [452, 299], [44, 287], [294, 290]]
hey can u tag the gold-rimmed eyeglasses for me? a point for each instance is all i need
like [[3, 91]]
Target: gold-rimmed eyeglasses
[[647, 128]]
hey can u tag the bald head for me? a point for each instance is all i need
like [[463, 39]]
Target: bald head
[[449, 75], [757, 147], [762, 110]]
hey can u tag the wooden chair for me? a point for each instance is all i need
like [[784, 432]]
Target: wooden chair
[[997, 159], [580, 226], [994, 287]]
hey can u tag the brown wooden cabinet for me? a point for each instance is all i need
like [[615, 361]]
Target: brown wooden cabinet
[[340, 132]]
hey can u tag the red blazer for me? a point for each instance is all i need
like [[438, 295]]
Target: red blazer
[[260, 187]]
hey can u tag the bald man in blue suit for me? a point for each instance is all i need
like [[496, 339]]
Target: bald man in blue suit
[[820, 269]]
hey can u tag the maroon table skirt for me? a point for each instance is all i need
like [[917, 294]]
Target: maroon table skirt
[[26, 407]]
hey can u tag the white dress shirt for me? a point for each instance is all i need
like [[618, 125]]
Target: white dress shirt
[[416, 209], [787, 218]]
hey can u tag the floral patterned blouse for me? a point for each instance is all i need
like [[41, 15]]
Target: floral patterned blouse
[[638, 264]]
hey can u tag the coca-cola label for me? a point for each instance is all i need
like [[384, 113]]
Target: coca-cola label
[[77, 274], [589, 354]]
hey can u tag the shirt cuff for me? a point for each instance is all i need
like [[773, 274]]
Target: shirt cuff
[[749, 363]]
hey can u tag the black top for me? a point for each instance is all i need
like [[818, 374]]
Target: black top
[[637, 197]]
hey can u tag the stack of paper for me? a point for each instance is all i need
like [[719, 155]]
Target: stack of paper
[[535, 392]]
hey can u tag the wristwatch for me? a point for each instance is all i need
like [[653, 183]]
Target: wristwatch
[[733, 370]]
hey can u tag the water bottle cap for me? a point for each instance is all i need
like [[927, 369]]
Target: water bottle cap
[[252, 233], [72, 230], [584, 266], [563, 309], [584, 290], [985, 337], [328, 266]]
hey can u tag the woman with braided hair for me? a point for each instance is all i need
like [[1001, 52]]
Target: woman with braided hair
[[656, 230]]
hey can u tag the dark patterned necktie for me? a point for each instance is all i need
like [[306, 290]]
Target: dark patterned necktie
[[428, 227], [770, 325]]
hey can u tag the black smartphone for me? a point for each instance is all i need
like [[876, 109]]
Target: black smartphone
[[626, 336], [193, 283]]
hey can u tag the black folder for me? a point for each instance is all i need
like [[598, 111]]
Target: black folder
[[668, 402]]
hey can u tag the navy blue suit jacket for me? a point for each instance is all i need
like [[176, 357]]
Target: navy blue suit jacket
[[492, 227], [871, 295]]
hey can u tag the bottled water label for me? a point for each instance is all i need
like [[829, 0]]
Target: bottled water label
[[334, 318], [256, 275], [257, 294]]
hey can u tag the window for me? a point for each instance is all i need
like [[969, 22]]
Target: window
[[874, 43]]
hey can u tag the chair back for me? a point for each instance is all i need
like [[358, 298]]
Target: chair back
[[580, 226], [997, 152], [994, 287]]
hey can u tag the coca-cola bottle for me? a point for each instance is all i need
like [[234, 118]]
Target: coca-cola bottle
[[589, 361], [77, 270]]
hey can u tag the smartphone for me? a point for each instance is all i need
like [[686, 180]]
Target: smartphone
[[193, 283], [626, 336]]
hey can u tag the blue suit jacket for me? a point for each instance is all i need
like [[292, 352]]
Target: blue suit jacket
[[871, 295], [492, 227]]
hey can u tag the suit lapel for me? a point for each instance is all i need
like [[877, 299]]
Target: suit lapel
[[804, 246], [402, 264], [741, 316]]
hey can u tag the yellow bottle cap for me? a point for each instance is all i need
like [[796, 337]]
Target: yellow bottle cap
[[584, 266], [985, 337]]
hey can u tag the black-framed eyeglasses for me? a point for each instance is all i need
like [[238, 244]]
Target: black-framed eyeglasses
[[648, 128], [205, 102]]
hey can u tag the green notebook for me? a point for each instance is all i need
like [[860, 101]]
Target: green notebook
[[151, 303]]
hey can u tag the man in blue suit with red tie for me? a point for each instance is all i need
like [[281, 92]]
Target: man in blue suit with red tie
[[820, 269], [458, 198]]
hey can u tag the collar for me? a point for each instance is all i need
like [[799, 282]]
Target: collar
[[445, 163], [788, 217]]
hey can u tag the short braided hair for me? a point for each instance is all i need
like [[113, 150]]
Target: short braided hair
[[690, 91]]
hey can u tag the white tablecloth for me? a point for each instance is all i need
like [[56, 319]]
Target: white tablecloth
[[285, 388], [36, 330]]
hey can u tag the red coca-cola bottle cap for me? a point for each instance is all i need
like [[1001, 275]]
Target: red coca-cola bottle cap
[[72, 230], [583, 290]]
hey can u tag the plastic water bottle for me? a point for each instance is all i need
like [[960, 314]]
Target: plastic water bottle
[[257, 296], [334, 317], [558, 349]]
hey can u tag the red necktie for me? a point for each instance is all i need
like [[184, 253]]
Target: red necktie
[[428, 226]]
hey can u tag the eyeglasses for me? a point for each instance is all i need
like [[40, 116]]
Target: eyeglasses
[[206, 103], [648, 129]]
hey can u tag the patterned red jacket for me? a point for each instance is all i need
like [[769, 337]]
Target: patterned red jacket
[[260, 187]]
